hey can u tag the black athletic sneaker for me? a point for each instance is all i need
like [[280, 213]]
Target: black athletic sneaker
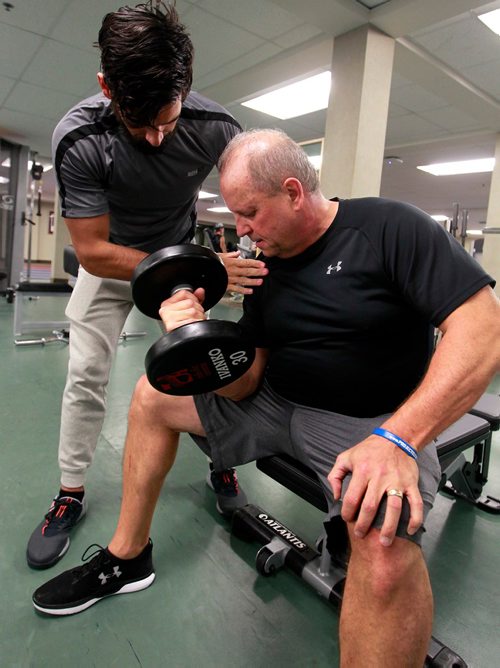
[[104, 575], [50, 540], [229, 494]]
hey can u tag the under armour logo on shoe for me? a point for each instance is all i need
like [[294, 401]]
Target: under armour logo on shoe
[[337, 267], [115, 574]]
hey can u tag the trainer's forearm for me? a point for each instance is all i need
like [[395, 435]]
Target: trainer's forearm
[[109, 260]]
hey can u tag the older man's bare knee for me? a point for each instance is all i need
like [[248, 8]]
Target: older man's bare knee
[[164, 410], [386, 571]]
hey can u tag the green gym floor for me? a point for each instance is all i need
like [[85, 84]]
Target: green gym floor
[[207, 606]]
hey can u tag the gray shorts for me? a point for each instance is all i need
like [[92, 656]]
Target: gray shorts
[[266, 424]]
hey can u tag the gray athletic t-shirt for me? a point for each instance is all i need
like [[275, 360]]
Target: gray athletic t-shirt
[[150, 198]]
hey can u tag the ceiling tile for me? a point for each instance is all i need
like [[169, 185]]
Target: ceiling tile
[[20, 122], [486, 77], [307, 127], [6, 85], [79, 24], [403, 129], [17, 48], [451, 119], [250, 118], [396, 110], [213, 51], [398, 80], [415, 98], [63, 68], [33, 16], [235, 66], [462, 43], [50, 104], [260, 17], [298, 35]]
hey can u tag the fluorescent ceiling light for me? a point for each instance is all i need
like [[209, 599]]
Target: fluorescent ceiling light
[[461, 167], [439, 218], [204, 195], [492, 20], [315, 161], [219, 209], [4, 179], [297, 99]]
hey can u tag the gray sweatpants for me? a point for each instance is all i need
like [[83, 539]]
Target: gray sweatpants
[[97, 311]]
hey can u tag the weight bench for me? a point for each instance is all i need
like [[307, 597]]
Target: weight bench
[[326, 574], [28, 290], [461, 478], [60, 328]]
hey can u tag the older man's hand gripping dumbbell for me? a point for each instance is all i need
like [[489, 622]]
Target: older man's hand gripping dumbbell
[[196, 355]]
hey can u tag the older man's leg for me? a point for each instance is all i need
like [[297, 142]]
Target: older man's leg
[[386, 617], [154, 423]]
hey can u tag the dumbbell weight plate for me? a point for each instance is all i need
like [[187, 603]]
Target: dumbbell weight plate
[[158, 274], [198, 357]]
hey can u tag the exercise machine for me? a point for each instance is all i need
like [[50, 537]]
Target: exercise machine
[[28, 290]]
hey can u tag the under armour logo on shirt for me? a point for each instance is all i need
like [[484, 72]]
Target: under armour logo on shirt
[[337, 267], [115, 574]]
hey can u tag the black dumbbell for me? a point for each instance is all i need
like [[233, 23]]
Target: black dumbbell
[[201, 356]]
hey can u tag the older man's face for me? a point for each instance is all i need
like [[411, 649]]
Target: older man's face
[[270, 221]]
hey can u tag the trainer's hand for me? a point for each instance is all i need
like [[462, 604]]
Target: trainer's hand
[[377, 466], [182, 308], [243, 274]]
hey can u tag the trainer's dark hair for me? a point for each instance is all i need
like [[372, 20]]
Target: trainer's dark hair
[[271, 157], [146, 60]]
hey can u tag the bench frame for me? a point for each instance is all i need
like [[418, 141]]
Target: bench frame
[[326, 574]]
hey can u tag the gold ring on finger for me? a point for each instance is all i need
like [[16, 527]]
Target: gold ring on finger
[[395, 492]]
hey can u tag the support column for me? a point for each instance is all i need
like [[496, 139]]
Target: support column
[[491, 249], [356, 121], [19, 167]]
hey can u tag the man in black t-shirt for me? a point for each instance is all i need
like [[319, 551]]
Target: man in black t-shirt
[[350, 299]]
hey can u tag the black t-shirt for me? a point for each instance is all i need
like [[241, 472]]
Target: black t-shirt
[[349, 322]]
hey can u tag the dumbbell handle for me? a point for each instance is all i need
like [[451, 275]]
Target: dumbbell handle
[[182, 286]]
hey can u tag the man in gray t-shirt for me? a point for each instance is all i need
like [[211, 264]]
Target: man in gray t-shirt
[[129, 163]]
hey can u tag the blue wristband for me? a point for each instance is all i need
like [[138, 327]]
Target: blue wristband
[[397, 441]]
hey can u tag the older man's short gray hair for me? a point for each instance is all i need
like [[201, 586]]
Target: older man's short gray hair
[[272, 157]]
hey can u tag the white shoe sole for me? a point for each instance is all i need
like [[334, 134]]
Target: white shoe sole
[[126, 589]]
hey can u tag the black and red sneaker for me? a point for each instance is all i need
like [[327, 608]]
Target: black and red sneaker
[[229, 494], [50, 540], [102, 575]]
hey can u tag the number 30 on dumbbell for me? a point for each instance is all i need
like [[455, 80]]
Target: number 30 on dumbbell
[[201, 356]]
